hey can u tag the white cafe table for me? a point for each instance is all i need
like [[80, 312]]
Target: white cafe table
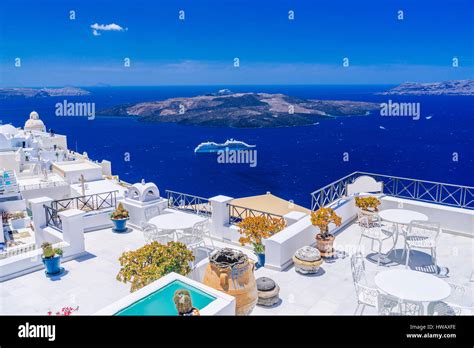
[[401, 217], [176, 221], [412, 285]]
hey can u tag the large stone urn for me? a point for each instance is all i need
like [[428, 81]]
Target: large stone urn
[[230, 271]]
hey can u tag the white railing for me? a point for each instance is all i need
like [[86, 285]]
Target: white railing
[[189, 203], [420, 190], [17, 250], [42, 185]]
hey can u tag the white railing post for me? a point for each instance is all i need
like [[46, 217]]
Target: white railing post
[[73, 230], [220, 215], [39, 217], [293, 216]]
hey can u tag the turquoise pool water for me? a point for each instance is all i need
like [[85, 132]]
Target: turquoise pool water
[[161, 302]]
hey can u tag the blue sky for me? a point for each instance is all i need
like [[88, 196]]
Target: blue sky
[[55, 50]]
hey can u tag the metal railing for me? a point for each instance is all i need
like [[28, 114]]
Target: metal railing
[[189, 203], [96, 201], [419, 190], [238, 213], [52, 218]]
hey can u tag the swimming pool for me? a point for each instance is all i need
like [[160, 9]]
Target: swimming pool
[[157, 299], [161, 302]]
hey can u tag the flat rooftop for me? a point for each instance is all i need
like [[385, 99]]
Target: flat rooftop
[[269, 203], [99, 186], [74, 166], [39, 179]]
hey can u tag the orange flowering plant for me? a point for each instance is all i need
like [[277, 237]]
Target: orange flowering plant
[[367, 203], [322, 217], [255, 228], [152, 261]]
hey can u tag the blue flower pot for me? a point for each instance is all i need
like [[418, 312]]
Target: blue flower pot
[[261, 260], [52, 264], [120, 225]]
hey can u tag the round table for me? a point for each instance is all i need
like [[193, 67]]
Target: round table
[[175, 221], [401, 216], [412, 285]]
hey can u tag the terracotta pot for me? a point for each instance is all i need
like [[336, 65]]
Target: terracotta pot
[[230, 271], [325, 246]]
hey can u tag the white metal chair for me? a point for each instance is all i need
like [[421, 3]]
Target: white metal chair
[[388, 305], [207, 231], [153, 234], [195, 237], [366, 295], [361, 215], [391, 305], [375, 231], [410, 308], [422, 235], [151, 212], [459, 302]]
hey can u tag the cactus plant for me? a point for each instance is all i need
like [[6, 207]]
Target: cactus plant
[[119, 213]]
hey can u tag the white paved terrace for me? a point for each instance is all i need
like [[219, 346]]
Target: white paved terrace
[[89, 282]]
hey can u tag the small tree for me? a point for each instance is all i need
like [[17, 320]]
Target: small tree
[[367, 203], [152, 261], [322, 217], [254, 229]]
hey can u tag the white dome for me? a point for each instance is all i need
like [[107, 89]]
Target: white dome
[[34, 123]]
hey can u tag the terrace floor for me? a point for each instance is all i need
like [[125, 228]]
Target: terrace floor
[[89, 282]]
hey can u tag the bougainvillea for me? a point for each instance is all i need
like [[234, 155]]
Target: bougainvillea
[[65, 311], [152, 261], [254, 229]]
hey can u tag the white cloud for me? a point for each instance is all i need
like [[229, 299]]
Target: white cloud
[[97, 28]]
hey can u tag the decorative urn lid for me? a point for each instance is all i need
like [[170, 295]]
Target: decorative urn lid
[[308, 254], [265, 284]]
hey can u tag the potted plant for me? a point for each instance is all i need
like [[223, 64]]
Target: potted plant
[[51, 258], [368, 203], [321, 218], [119, 217], [368, 207], [255, 228], [152, 261]]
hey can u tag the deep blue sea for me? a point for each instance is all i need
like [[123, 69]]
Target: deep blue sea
[[291, 162]]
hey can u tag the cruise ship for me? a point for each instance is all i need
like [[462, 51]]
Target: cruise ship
[[230, 144]]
